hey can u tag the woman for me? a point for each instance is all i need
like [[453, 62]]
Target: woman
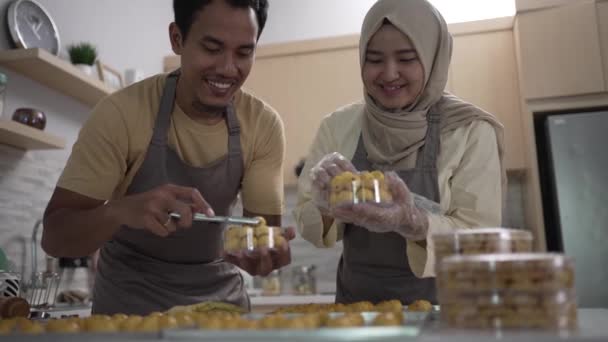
[[441, 148]]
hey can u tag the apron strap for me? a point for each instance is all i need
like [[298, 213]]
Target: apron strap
[[163, 119], [432, 141], [234, 132]]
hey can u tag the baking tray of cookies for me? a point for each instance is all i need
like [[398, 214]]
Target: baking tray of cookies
[[306, 327]]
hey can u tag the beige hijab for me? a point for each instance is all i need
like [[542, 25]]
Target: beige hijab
[[391, 137]]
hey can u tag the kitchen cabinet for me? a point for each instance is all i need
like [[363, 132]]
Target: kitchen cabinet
[[560, 51], [602, 18], [304, 88], [484, 72]]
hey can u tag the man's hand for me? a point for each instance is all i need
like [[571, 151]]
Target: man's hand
[[264, 261], [150, 210]]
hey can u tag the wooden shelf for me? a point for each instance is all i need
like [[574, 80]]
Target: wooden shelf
[[28, 138], [56, 73]]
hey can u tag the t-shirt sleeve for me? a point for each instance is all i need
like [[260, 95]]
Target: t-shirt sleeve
[[98, 161], [262, 186]]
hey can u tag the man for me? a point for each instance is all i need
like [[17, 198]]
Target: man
[[186, 142]]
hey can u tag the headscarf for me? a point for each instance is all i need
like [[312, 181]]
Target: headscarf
[[391, 137]]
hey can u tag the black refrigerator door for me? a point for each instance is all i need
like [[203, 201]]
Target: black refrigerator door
[[578, 148]]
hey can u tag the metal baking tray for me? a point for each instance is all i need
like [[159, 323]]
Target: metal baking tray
[[323, 334], [410, 329]]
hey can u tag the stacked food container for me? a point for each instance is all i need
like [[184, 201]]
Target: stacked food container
[[489, 279]]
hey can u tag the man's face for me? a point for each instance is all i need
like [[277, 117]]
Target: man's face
[[218, 53]]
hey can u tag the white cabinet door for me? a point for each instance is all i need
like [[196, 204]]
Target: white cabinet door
[[484, 72], [560, 50]]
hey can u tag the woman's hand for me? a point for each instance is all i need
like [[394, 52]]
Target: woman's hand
[[321, 174], [402, 216]]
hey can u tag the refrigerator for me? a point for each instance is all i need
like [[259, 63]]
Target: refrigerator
[[573, 162]]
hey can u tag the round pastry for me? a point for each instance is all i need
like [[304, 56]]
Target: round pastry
[[7, 326], [345, 197], [119, 317], [420, 305], [361, 306], [232, 233], [388, 319], [333, 199], [389, 306], [232, 245], [249, 243], [265, 241], [386, 196], [367, 180], [148, 324], [184, 318], [100, 325], [279, 241], [347, 320], [62, 326], [262, 230], [262, 221], [30, 328], [167, 322], [366, 195], [378, 175], [131, 323]]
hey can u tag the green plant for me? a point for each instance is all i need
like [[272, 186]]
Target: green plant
[[82, 53]]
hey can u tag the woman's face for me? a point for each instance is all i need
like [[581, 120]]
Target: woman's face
[[392, 73]]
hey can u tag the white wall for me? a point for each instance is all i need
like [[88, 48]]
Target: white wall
[[312, 19], [309, 19], [128, 34]]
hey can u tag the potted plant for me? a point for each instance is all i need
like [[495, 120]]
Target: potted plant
[[83, 56]]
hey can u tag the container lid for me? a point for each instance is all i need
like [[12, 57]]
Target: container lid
[[485, 234], [3, 79]]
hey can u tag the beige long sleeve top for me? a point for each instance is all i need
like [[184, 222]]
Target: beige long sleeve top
[[469, 183]]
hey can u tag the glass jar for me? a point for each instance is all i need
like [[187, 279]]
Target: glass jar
[[303, 280], [271, 284], [3, 83]]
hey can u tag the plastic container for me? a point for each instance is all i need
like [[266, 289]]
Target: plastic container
[[271, 284], [303, 280], [247, 239], [482, 241], [363, 187], [529, 291]]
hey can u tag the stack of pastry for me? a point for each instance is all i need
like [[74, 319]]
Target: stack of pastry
[[239, 239], [364, 187], [481, 241], [507, 291]]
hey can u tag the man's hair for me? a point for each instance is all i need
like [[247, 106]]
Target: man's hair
[[186, 10]]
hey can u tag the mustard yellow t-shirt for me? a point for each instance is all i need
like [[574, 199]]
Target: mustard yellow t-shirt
[[112, 145]]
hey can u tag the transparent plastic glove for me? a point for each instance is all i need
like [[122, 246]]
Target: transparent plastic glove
[[321, 175], [402, 216], [424, 203]]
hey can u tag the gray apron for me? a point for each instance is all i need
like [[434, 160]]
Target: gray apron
[[139, 272], [374, 266]]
